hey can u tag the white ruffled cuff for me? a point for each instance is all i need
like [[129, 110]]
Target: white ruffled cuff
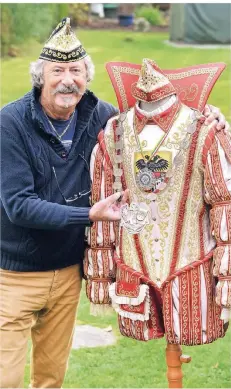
[[223, 293], [225, 314]]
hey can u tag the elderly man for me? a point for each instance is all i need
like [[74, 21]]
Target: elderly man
[[47, 139]]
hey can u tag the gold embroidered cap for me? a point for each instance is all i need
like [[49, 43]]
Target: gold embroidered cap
[[153, 84], [63, 45]]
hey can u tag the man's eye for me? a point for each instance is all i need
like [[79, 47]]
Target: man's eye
[[76, 70], [56, 71]]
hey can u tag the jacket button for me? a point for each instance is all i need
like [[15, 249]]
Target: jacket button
[[52, 140], [63, 154]]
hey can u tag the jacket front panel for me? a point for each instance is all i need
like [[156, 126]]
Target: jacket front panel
[[179, 207]]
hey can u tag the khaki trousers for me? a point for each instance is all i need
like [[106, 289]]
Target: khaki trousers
[[43, 305]]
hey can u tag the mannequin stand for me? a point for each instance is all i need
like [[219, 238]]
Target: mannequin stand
[[174, 359]]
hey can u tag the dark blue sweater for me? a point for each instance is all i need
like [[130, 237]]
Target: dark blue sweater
[[39, 231]]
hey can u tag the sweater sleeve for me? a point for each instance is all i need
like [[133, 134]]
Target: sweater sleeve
[[218, 194], [102, 237], [105, 112], [21, 203]]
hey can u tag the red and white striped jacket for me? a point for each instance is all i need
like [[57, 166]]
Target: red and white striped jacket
[[174, 277]]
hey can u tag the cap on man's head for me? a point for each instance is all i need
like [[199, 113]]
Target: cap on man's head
[[63, 45], [152, 84]]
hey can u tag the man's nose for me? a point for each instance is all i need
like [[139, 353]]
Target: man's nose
[[67, 78]]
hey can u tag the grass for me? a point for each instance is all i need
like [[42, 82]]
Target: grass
[[106, 46], [132, 364]]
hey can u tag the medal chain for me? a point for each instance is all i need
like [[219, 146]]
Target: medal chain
[[161, 141], [117, 165]]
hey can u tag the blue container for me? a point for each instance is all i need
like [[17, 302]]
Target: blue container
[[126, 20]]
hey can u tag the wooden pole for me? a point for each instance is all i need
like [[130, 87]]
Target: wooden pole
[[174, 359]]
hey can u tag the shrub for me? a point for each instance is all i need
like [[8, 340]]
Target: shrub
[[79, 14], [6, 30], [19, 24], [151, 14], [141, 24]]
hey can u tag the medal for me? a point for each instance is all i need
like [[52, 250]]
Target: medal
[[151, 168], [144, 179], [134, 218], [152, 175]]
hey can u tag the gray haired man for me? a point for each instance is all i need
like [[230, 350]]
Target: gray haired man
[[47, 139]]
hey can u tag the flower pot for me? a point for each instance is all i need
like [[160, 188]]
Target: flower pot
[[126, 20]]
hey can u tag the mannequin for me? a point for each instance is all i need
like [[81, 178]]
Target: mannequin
[[155, 268], [150, 107]]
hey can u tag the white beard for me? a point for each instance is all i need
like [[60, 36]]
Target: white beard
[[67, 100]]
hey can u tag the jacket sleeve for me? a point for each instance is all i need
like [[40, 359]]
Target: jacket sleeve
[[19, 199], [105, 112], [217, 183], [102, 238]]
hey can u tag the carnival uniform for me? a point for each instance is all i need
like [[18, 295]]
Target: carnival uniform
[[166, 268]]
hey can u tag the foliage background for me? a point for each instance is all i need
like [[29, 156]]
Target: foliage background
[[151, 14], [20, 22]]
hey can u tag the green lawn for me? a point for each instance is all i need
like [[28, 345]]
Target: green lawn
[[106, 46], [131, 364]]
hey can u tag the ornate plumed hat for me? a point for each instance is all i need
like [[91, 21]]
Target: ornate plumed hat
[[63, 45], [153, 84]]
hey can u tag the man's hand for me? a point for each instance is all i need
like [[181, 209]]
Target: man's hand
[[109, 208], [214, 116]]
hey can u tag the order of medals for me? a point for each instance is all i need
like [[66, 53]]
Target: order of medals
[[151, 173]]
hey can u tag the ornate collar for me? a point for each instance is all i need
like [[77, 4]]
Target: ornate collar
[[163, 119]]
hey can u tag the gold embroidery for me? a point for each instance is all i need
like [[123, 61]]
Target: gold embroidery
[[190, 248], [187, 94], [128, 293], [194, 72], [129, 252], [196, 307], [159, 94], [225, 141], [166, 226], [60, 55], [116, 72], [167, 310]]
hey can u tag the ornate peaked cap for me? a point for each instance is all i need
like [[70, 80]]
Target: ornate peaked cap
[[152, 84], [63, 45]]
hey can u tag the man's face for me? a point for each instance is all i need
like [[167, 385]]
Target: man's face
[[64, 83]]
